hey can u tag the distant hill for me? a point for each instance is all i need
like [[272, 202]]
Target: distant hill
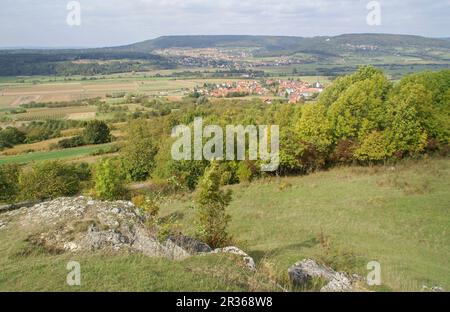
[[352, 49], [271, 44]]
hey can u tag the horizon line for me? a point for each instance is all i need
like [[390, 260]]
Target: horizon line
[[203, 35]]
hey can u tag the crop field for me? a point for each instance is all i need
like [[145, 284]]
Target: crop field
[[14, 95], [56, 113]]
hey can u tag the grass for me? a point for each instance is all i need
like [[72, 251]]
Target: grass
[[398, 216], [29, 267], [26, 268], [65, 154]]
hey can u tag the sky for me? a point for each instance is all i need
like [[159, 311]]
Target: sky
[[43, 23]]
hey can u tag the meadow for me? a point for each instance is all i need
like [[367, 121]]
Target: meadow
[[396, 214]]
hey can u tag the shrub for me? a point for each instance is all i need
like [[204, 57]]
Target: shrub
[[70, 143], [109, 180], [11, 136], [187, 173], [147, 204], [229, 172], [39, 133], [343, 153], [212, 219], [96, 132], [245, 172], [9, 182], [50, 179]]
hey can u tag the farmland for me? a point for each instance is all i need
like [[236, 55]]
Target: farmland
[[70, 153]]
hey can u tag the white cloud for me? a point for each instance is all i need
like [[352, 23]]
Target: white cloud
[[112, 22]]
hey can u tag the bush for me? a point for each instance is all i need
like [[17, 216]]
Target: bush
[[96, 132], [11, 136], [187, 173], [246, 171], [39, 133], [70, 143], [343, 153], [9, 182], [50, 179], [212, 219], [147, 204], [109, 180]]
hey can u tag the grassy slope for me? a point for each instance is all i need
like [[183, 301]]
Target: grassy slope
[[126, 272], [348, 217], [25, 267]]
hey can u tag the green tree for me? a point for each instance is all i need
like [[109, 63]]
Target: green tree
[[410, 116], [361, 108], [11, 136], [109, 180], [96, 132], [212, 219], [374, 147], [140, 150], [48, 180], [9, 182], [314, 128]]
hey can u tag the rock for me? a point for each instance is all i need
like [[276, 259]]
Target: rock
[[81, 224], [71, 246], [189, 244], [306, 270], [425, 288], [339, 283], [250, 263]]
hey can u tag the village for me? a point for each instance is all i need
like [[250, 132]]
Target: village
[[294, 90]]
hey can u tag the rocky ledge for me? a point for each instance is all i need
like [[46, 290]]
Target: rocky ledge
[[82, 224], [306, 271]]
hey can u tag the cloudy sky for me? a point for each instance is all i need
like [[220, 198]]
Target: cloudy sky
[[31, 23]]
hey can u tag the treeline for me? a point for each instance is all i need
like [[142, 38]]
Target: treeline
[[95, 132], [64, 63], [78, 103], [365, 118], [36, 131]]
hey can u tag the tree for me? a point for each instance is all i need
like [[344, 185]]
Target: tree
[[49, 179], [212, 219], [96, 132], [374, 147], [313, 126], [109, 180], [140, 151], [11, 136], [9, 182], [361, 108], [410, 116]]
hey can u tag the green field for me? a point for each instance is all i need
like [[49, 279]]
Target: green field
[[397, 215], [52, 155]]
